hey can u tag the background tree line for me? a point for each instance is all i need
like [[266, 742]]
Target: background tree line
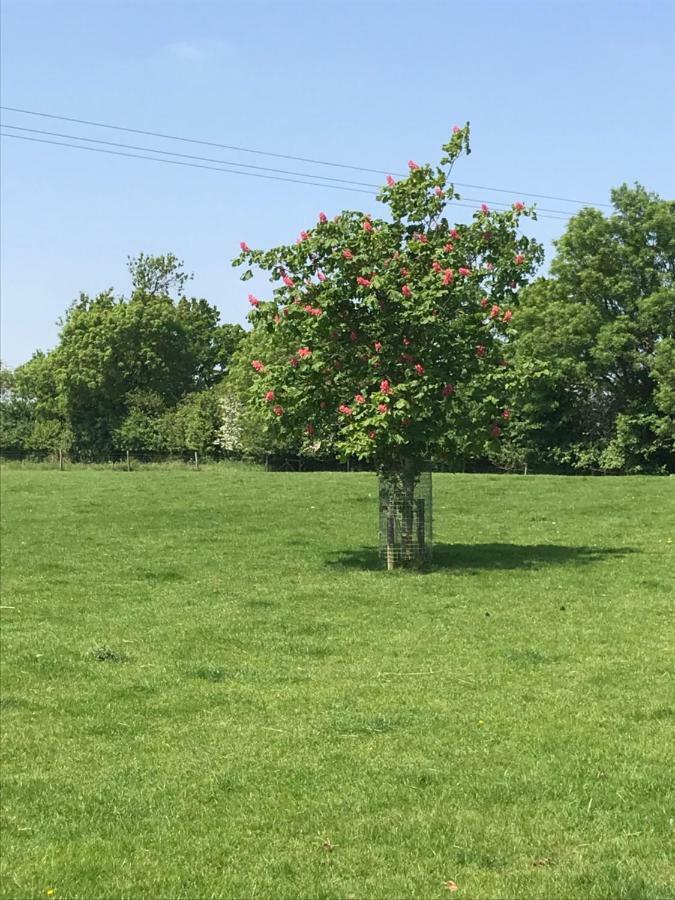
[[591, 362]]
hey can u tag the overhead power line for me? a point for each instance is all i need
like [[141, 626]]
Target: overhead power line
[[195, 165], [318, 162], [228, 162]]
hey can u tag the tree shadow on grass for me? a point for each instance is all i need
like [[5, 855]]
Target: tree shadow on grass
[[469, 558]]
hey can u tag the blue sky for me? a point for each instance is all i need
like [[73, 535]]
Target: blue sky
[[565, 98]]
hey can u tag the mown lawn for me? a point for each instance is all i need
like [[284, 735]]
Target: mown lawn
[[273, 716]]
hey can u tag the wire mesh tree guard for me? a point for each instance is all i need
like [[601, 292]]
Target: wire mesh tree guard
[[405, 518]]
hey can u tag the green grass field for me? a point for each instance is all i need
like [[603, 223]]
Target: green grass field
[[210, 689]]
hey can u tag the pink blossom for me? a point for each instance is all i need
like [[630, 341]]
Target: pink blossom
[[385, 386], [438, 191], [363, 281], [304, 236], [506, 414], [448, 276], [405, 290], [269, 396], [277, 319], [520, 259], [494, 311], [257, 365], [360, 399], [309, 428], [412, 165], [508, 315], [245, 247], [348, 254], [406, 342], [313, 310], [518, 205], [288, 281], [382, 407], [353, 336], [485, 208], [323, 217], [456, 129], [448, 390], [345, 410], [480, 351], [436, 266], [484, 302], [419, 368], [449, 247], [372, 435], [304, 352], [320, 276], [454, 234], [495, 431], [464, 271], [294, 361], [367, 225], [278, 410], [378, 346], [391, 181], [253, 300]]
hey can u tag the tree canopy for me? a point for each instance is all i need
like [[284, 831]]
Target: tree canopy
[[386, 337]]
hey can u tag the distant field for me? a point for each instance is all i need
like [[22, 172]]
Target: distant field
[[268, 714]]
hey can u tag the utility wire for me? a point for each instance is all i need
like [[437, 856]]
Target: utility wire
[[228, 162], [195, 165], [319, 162]]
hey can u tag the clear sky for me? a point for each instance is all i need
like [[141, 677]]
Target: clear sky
[[565, 98]]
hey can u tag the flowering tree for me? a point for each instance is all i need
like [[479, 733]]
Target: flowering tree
[[389, 334]]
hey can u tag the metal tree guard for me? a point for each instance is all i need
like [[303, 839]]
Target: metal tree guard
[[405, 519]]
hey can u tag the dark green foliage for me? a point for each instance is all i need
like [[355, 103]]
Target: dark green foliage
[[120, 365], [594, 384]]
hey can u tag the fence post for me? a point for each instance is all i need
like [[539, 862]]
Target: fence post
[[128, 462], [196, 461], [60, 460]]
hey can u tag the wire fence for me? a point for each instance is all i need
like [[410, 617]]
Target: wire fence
[[130, 460]]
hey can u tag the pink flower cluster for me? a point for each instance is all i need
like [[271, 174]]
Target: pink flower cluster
[[258, 365], [323, 217], [365, 282], [367, 225], [253, 300], [348, 254], [245, 247], [448, 390], [304, 352], [313, 310], [345, 410]]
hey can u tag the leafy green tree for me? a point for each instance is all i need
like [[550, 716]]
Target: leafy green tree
[[594, 340], [141, 431], [397, 326], [111, 350], [17, 415]]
